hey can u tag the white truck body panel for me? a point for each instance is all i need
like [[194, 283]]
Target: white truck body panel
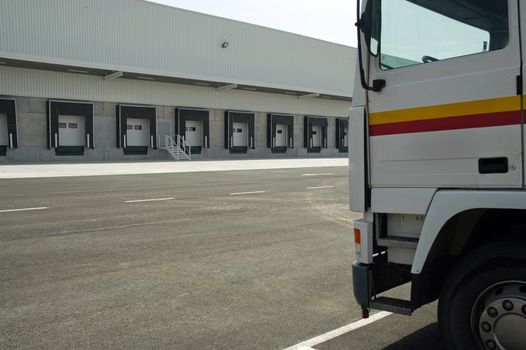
[[414, 145], [448, 203], [446, 158], [401, 200], [357, 160]]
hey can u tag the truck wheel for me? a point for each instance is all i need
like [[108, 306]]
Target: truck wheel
[[482, 304]]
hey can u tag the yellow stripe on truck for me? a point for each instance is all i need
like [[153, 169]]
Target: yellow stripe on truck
[[494, 105]]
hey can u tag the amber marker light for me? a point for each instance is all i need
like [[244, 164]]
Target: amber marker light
[[357, 241]]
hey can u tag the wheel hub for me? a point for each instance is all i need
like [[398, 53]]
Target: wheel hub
[[502, 323]]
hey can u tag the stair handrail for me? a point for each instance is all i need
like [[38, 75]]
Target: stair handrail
[[187, 149], [178, 147]]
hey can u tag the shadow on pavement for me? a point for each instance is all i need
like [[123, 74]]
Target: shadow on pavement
[[425, 338]]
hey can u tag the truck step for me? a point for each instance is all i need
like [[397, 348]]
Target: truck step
[[397, 306], [400, 242]]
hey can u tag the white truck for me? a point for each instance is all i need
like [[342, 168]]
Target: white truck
[[437, 165]]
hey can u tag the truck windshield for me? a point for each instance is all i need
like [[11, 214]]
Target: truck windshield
[[422, 31]]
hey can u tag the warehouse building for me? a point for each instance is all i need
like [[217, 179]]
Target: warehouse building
[[129, 79]]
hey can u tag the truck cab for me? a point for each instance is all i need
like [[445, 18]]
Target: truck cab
[[436, 147]]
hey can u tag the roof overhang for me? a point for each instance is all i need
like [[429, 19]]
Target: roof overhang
[[108, 75]]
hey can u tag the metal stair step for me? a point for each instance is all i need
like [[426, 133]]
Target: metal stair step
[[397, 306]]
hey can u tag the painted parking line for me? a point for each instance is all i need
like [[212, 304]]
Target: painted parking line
[[150, 200], [241, 193], [308, 344], [22, 209], [321, 174], [318, 187]]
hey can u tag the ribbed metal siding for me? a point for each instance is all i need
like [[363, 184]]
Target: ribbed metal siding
[[47, 84], [141, 36]]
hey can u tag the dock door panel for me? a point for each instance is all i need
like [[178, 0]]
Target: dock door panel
[[239, 131], [239, 135], [8, 126], [137, 132], [72, 130], [342, 140], [315, 136], [194, 133], [280, 132], [194, 126], [315, 133], [136, 129], [70, 127], [281, 135], [4, 135]]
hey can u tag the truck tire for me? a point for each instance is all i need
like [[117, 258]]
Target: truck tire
[[482, 303]]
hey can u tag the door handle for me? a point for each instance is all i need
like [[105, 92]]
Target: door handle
[[497, 165]]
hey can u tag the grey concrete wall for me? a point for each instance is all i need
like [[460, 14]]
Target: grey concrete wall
[[32, 129]]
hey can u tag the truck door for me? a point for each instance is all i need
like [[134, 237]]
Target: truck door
[[523, 38], [450, 112]]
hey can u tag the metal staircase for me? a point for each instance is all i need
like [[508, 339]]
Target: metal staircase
[[179, 149]]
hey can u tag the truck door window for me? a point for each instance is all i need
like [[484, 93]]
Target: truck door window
[[421, 31]]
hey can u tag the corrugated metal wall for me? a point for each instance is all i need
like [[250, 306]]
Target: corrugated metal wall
[[48, 84], [134, 35]]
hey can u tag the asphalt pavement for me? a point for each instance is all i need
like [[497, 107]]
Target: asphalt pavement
[[253, 259]]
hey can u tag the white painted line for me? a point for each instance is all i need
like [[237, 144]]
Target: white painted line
[[318, 187], [240, 193], [340, 331], [23, 209], [150, 200], [321, 174]]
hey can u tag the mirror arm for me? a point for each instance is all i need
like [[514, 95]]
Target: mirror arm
[[359, 25]]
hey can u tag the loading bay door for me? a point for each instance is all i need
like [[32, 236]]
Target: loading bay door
[[137, 132], [316, 136], [71, 130], [240, 135], [194, 133], [4, 134], [281, 135]]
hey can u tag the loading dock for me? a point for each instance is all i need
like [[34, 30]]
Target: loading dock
[[136, 129], [239, 131], [194, 126], [280, 132], [70, 127], [342, 125], [4, 135], [315, 133], [8, 126]]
